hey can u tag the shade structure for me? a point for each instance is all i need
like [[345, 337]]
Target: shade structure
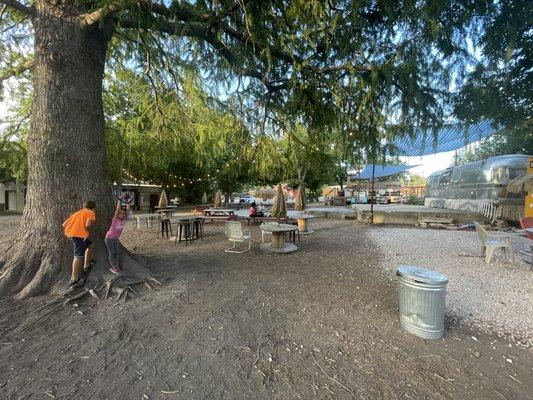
[[448, 138], [380, 171], [265, 193], [163, 201], [204, 198], [279, 208], [521, 184], [299, 201], [218, 199]]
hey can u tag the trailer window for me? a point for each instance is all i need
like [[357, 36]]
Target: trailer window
[[516, 172]]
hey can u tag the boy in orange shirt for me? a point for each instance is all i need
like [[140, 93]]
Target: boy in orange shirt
[[77, 229]]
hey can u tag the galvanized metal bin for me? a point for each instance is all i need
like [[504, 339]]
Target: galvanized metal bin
[[421, 299]]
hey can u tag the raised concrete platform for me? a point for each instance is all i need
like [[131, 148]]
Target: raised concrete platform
[[394, 214], [403, 214]]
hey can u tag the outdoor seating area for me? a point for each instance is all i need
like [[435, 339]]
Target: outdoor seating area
[[187, 227], [262, 200]]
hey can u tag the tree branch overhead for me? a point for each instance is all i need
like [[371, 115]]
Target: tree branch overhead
[[29, 11]]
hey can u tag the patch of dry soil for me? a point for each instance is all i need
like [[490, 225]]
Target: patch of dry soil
[[320, 323]]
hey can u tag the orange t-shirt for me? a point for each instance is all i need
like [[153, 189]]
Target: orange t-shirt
[[76, 224]]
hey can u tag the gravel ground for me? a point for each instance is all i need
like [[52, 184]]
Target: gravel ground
[[496, 298]]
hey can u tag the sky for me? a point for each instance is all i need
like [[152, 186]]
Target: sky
[[430, 163]]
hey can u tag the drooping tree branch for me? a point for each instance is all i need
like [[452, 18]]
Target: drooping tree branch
[[17, 70], [29, 11], [99, 14]]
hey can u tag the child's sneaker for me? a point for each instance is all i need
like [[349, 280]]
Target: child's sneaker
[[116, 270]]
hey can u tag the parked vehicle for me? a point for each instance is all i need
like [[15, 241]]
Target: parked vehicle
[[248, 199], [389, 197], [357, 198], [479, 187]]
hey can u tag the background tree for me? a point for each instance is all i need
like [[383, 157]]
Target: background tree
[[498, 86], [509, 141]]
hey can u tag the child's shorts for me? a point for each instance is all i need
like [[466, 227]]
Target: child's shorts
[[80, 245]]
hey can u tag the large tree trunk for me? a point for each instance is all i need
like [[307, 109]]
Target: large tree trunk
[[66, 152]]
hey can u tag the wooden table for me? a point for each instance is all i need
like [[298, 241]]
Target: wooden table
[[187, 220], [167, 211], [303, 225], [278, 244], [218, 212]]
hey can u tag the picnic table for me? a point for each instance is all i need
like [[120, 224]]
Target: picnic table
[[264, 218], [278, 244], [218, 212]]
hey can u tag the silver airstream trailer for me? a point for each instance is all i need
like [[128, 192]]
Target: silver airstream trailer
[[479, 187]]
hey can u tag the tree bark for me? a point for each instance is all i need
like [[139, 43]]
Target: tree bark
[[66, 151]]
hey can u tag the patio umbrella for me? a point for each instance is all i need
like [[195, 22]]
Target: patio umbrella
[[521, 184], [299, 201], [218, 199], [204, 198], [163, 201], [265, 193], [279, 209]]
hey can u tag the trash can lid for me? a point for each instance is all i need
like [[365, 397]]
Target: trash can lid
[[421, 274]]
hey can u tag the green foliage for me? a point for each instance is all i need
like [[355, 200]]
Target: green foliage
[[234, 92], [187, 143], [417, 180], [413, 200], [511, 141], [499, 86]]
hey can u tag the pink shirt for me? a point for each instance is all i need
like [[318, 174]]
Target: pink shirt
[[115, 230], [251, 211]]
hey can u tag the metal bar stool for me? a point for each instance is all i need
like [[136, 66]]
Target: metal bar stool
[[292, 234], [184, 232], [166, 226], [199, 228]]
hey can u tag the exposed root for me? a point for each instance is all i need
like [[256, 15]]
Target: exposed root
[[121, 286], [48, 309]]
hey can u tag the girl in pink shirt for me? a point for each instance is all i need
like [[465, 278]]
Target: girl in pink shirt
[[112, 237]]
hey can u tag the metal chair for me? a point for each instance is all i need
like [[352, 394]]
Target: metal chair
[[493, 241], [236, 234]]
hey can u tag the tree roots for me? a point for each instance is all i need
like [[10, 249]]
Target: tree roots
[[120, 285]]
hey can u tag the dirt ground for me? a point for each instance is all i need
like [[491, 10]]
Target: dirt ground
[[320, 323]]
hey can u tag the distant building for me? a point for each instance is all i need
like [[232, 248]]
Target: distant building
[[12, 196], [145, 196]]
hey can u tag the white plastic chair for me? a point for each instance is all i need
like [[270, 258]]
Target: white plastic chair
[[493, 241], [263, 233], [236, 234]]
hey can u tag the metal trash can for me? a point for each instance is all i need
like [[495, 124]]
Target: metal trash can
[[421, 301]]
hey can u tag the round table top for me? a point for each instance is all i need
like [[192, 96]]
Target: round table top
[[186, 217], [304, 216], [278, 228], [217, 210]]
